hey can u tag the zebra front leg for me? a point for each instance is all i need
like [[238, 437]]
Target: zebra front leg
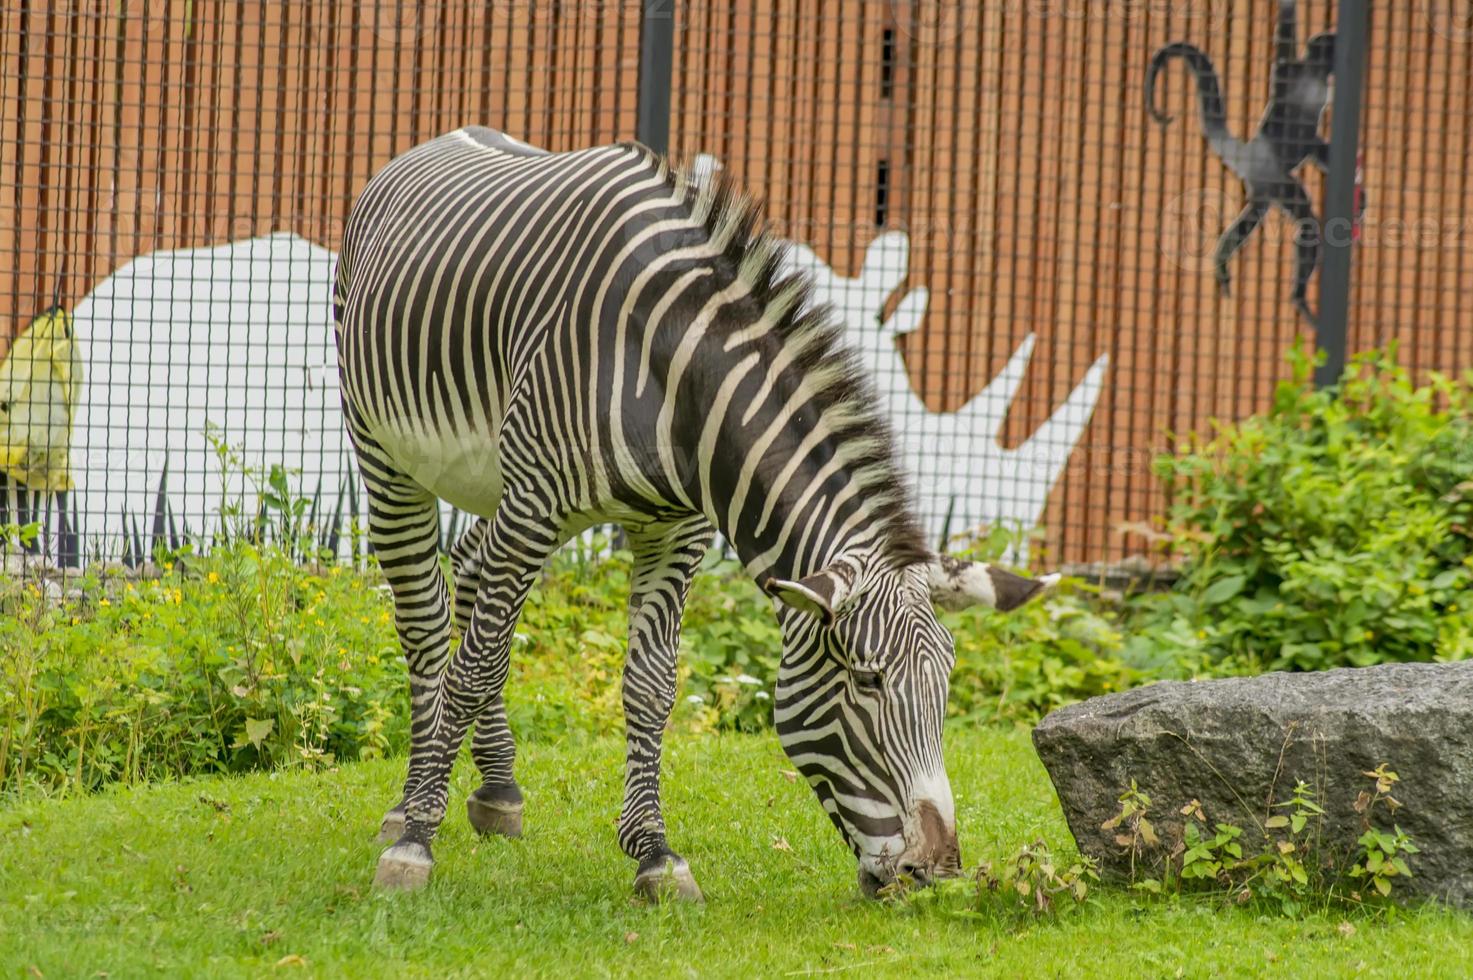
[[665, 559], [472, 684], [496, 807]]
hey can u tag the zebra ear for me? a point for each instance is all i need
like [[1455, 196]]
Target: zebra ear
[[957, 584], [821, 594]]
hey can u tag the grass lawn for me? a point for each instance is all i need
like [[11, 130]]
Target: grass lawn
[[243, 876]]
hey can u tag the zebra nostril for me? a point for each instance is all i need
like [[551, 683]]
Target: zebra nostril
[[918, 873]]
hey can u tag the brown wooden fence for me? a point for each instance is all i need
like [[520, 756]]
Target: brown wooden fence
[[1008, 138]]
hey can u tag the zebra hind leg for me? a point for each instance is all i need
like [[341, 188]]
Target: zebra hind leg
[[465, 569], [496, 807], [665, 559], [469, 687], [404, 529]]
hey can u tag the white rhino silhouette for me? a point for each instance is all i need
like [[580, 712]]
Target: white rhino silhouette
[[240, 335], [964, 479]]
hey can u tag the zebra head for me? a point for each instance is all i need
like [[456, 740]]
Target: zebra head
[[861, 696]]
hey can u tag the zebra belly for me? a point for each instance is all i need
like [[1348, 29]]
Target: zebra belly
[[464, 470]]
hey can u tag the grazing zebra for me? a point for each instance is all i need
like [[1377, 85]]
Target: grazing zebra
[[554, 341]]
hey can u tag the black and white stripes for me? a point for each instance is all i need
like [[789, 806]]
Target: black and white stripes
[[555, 340]]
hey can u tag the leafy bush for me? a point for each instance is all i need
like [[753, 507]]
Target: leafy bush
[[1288, 864], [245, 659], [1020, 665], [1334, 530], [568, 657], [240, 661], [1033, 883], [729, 650]]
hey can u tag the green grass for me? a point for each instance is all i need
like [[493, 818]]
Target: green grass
[[233, 876]]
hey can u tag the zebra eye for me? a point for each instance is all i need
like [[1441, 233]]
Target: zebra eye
[[868, 681], [4, 408]]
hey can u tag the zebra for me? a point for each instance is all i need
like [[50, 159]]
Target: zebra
[[556, 341]]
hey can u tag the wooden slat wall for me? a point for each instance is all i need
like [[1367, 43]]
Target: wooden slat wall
[[1040, 198], [1038, 195], [128, 127], [1415, 274]]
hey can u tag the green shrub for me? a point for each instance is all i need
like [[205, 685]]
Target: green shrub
[[1018, 666], [1334, 530], [244, 659], [238, 661], [568, 657], [729, 650]]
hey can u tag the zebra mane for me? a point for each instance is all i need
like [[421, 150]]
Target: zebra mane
[[753, 253]]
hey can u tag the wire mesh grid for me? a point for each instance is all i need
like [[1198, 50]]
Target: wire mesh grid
[[1023, 254]]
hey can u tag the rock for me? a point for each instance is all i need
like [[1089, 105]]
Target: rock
[[1239, 744]]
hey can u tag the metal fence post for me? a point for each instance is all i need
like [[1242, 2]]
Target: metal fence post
[[1334, 317], [656, 42]]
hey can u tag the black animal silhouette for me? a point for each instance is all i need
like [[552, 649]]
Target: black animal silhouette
[[1287, 135]]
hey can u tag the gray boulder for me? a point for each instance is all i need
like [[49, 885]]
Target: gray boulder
[[1238, 745]]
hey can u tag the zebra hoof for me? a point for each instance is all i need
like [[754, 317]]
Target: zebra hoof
[[491, 811], [666, 878], [393, 826], [404, 868]]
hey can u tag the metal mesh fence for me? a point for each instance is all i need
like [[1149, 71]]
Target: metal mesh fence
[[1024, 255]]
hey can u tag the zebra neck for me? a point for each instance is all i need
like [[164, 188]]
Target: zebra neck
[[810, 538], [788, 493], [738, 397]]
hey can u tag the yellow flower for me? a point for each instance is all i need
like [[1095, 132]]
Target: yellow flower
[[214, 577], [103, 602], [168, 566]]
